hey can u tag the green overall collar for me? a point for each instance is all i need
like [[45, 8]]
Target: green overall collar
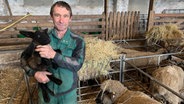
[[65, 39]]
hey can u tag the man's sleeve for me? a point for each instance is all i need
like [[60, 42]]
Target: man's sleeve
[[75, 62]]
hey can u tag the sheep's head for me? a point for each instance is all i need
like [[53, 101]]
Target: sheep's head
[[104, 98], [110, 91], [113, 86], [39, 37]]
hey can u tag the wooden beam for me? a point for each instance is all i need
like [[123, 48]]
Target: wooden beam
[[8, 6], [151, 5]]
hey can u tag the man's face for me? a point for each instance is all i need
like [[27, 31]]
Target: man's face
[[61, 18]]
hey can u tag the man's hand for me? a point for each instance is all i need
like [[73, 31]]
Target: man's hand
[[45, 51], [41, 76]]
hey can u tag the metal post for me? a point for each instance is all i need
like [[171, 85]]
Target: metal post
[[79, 91], [122, 67]]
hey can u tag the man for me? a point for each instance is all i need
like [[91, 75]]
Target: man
[[69, 61]]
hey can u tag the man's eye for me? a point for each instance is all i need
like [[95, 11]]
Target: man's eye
[[66, 16], [56, 15]]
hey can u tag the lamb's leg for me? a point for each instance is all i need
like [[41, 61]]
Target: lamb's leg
[[48, 90], [44, 93], [54, 79]]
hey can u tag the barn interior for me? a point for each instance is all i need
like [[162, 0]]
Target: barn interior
[[126, 40]]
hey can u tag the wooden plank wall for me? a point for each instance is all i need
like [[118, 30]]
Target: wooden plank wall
[[93, 25], [113, 26], [122, 25], [165, 18]]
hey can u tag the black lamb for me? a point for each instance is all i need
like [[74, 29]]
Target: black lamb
[[31, 60]]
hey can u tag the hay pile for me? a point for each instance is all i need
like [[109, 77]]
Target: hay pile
[[9, 78], [12, 82], [99, 53], [97, 59], [92, 101], [169, 35]]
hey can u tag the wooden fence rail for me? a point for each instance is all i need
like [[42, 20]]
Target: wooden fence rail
[[82, 24], [161, 19], [78, 23]]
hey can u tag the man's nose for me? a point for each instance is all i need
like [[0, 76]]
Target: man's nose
[[61, 19]]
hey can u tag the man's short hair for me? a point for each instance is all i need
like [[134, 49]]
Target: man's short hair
[[62, 4]]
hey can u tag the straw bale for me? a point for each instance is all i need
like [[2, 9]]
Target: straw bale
[[97, 49], [97, 58], [169, 35], [164, 32]]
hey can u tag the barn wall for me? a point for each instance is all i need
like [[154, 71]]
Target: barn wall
[[21, 7], [160, 5], [139, 5]]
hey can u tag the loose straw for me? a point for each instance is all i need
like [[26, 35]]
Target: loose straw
[[28, 14]]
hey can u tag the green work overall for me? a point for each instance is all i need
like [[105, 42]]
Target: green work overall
[[68, 60]]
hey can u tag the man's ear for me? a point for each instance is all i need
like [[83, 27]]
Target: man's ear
[[51, 17], [27, 33], [70, 19]]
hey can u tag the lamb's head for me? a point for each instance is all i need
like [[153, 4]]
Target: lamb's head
[[110, 91], [39, 37]]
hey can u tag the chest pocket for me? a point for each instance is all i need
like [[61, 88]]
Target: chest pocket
[[65, 48], [67, 51]]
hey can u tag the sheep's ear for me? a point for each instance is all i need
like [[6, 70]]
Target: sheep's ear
[[27, 33]]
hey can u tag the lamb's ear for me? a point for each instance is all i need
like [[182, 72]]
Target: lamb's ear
[[27, 33], [46, 30]]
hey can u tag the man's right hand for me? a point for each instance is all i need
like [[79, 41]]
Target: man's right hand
[[41, 76]]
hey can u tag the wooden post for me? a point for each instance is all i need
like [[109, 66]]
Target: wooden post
[[105, 6], [151, 8], [150, 20], [106, 19]]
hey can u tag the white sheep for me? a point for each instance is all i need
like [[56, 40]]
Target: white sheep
[[114, 92], [171, 76]]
